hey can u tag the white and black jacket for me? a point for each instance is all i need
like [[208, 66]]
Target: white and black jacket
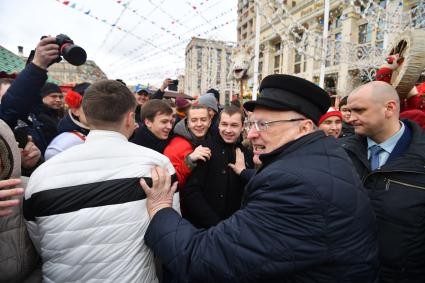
[[86, 212]]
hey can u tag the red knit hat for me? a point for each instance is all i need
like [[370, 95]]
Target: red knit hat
[[331, 112]]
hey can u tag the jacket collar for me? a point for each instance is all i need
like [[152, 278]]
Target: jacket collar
[[290, 147], [146, 138], [96, 135], [357, 145], [69, 124]]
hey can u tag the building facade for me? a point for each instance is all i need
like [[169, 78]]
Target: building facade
[[207, 66], [70, 74], [354, 41]]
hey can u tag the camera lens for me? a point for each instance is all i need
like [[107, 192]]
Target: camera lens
[[74, 54]]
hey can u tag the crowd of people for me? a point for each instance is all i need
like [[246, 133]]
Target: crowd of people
[[133, 187]]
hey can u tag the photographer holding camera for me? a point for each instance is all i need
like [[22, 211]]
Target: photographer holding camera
[[22, 101], [24, 92]]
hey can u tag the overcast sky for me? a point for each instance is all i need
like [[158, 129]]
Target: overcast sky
[[139, 41]]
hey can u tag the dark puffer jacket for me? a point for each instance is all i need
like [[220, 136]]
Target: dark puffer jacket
[[22, 95], [397, 194], [213, 192], [144, 137], [305, 218]]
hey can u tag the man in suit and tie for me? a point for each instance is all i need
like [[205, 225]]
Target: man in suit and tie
[[389, 156]]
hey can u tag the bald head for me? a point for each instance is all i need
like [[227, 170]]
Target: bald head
[[377, 91], [375, 110]]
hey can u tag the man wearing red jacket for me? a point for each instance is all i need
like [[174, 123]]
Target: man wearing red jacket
[[187, 147]]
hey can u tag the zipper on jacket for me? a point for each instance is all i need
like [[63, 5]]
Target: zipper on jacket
[[394, 171], [389, 181]]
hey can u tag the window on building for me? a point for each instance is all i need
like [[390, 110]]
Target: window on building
[[297, 62], [260, 71], [335, 20], [418, 18], [300, 62], [365, 33], [337, 54], [277, 58], [331, 82]]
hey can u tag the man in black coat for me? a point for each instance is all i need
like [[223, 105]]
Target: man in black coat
[[157, 122], [48, 114], [213, 192], [305, 216], [394, 177]]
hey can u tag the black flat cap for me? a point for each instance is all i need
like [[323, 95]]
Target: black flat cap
[[286, 93]]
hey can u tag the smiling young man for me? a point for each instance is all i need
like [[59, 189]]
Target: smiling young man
[[187, 147], [155, 132], [331, 123], [305, 216], [213, 192]]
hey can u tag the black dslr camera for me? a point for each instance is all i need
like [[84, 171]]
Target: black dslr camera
[[72, 53]]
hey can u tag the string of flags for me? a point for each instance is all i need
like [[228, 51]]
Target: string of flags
[[177, 44], [89, 13], [125, 4]]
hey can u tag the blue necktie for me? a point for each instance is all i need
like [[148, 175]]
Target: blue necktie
[[375, 150]]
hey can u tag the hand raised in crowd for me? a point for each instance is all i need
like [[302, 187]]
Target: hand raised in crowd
[[6, 205], [239, 164], [160, 195], [165, 84], [30, 155], [46, 51], [200, 153]]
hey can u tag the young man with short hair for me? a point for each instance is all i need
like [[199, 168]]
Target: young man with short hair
[[213, 192], [156, 130], [186, 148], [93, 224]]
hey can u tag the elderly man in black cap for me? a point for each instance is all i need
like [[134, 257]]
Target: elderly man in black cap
[[305, 216]]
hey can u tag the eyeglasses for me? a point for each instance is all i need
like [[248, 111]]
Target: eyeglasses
[[261, 126]]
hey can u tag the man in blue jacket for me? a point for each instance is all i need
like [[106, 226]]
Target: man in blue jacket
[[305, 216]]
